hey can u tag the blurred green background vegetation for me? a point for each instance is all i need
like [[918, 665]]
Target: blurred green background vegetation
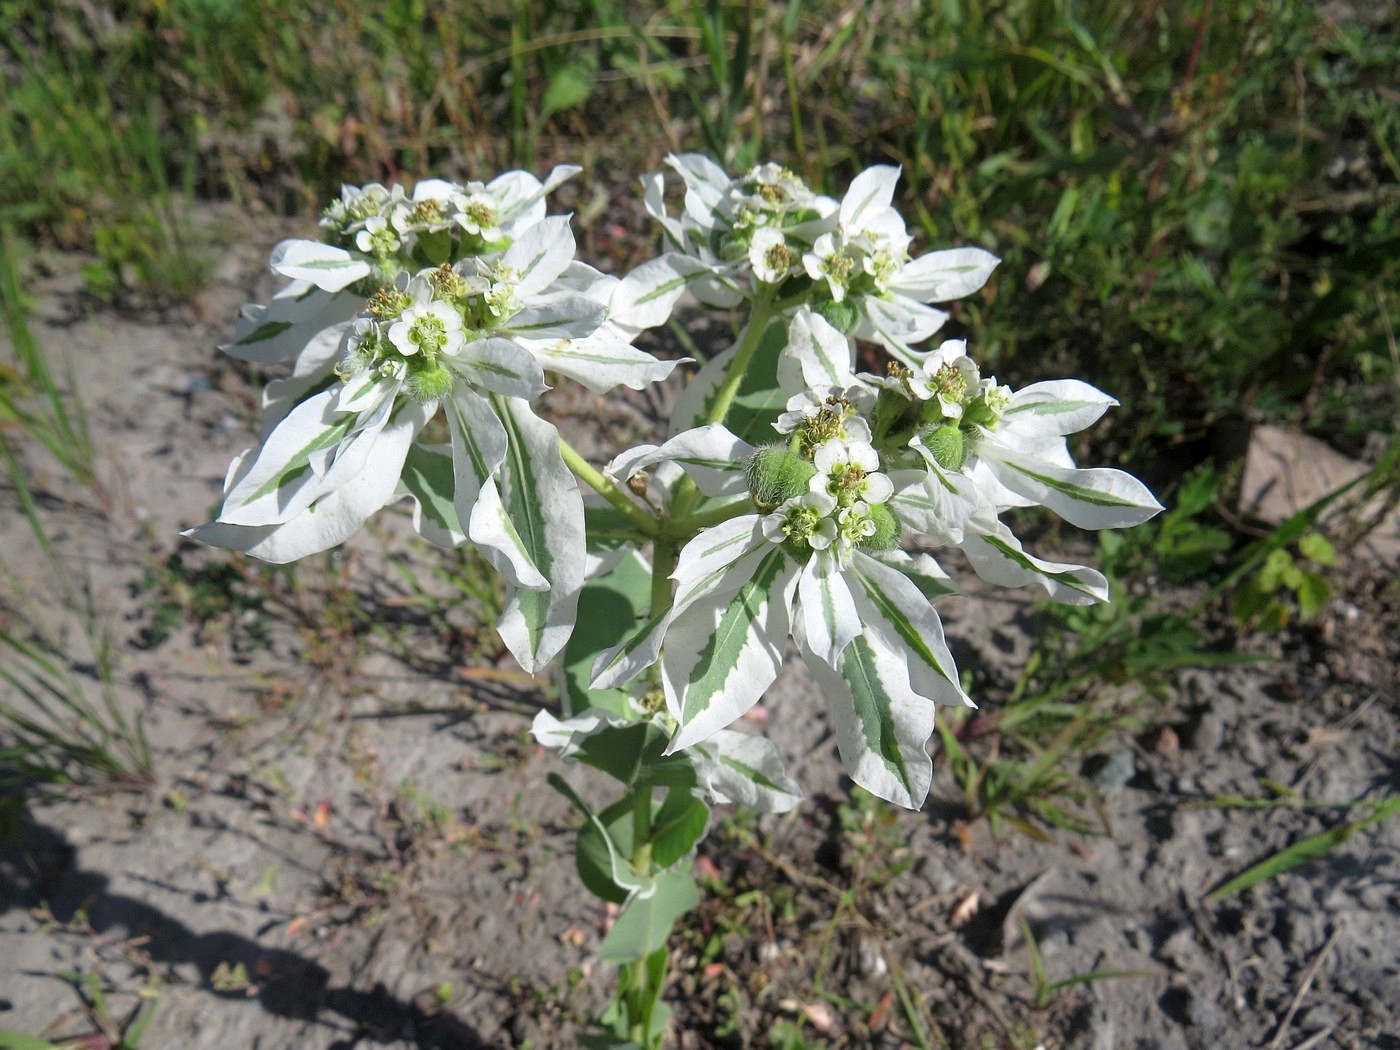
[[1196, 205]]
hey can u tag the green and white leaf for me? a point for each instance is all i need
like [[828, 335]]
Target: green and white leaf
[[322, 443], [881, 726], [1091, 497], [603, 360], [335, 516], [278, 331], [828, 610], [941, 276], [996, 555], [429, 479], [726, 648], [714, 457], [500, 365], [1052, 409], [816, 356], [479, 448], [900, 618], [327, 267], [539, 255], [541, 500], [647, 295], [744, 769]]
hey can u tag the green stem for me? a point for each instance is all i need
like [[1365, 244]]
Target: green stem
[[743, 357], [686, 528], [605, 487], [687, 494]]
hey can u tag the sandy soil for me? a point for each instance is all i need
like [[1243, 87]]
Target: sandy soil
[[350, 841]]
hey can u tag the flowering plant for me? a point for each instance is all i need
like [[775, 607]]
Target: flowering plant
[[793, 498]]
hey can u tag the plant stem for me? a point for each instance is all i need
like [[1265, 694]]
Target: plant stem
[[688, 495], [605, 487], [743, 357]]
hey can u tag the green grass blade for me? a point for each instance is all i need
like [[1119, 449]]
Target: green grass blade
[[1309, 849]]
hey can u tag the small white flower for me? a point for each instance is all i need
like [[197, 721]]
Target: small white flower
[[831, 263], [769, 255], [377, 237], [432, 327]]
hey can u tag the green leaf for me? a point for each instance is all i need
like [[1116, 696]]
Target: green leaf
[[601, 850], [600, 841], [635, 755], [568, 88], [609, 608], [428, 478], [20, 1041], [645, 924], [1316, 547], [680, 823]]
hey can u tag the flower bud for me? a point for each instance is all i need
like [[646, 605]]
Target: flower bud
[[430, 384], [947, 444], [887, 529], [842, 316], [776, 474]]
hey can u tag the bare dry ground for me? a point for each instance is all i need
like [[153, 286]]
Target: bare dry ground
[[350, 841]]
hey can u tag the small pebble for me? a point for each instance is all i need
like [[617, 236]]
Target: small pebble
[[1120, 768]]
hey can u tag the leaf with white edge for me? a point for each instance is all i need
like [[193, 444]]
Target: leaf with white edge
[[897, 324], [1090, 498], [942, 276], [522, 196], [479, 446], [744, 769], [603, 360], [646, 296], [869, 195], [726, 647], [645, 923], [429, 478], [501, 366], [708, 556], [922, 570], [896, 611], [817, 356], [542, 500], [995, 554], [280, 330], [654, 199], [565, 315], [829, 616], [1053, 409], [313, 372], [327, 267], [335, 517], [323, 442], [714, 457], [620, 663], [933, 502], [539, 255], [881, 725], [699, 171]]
